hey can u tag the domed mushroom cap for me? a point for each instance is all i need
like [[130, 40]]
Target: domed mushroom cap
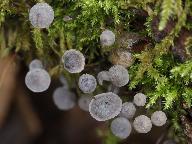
[[140, 99], [105, 106], [107, 38], [35, 64], [74, 61], [142, 124], [87, 83], [63, 99], [128, 110], [37, 80], [119, 75], [84, 102], [158, 118], [41, 15], [103, 76], [121, 57], [121, 127]]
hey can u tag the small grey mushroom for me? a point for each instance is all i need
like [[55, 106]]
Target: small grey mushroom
[[128, 110], [63, 99], [158, 118], [121, 127], [107, 38], [103, 76], [87, 83], [41, 15], [37, 80], [142, 124], [118, 75], [74, 61], [36, 63], [84, 102], [105, 106], [140, 99]]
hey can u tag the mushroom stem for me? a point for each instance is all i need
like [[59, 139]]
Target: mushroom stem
[[113, 88]]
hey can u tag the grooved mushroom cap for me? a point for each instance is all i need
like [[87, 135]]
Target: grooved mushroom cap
[[121, 127], [128, 110], [158, 118], [63, 99], [41, 15], [74, 61], [119, 75], [87, 83], [84, 102], [37, 80], [142, 124], [107, 38], [105, 106], [35, 64], [140, 99], [103, 76]]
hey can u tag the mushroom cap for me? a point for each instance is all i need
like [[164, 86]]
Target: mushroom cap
[[74, 61], [103, 76], [107, 38], [158, 118], [41, 15], [105, 106], [139, 99], [35, 64], [121, 57], [121, 127], [37, 80], [128, 110], [119, 75], [142, 124], [63, 99], [87, 83], [84, 102]]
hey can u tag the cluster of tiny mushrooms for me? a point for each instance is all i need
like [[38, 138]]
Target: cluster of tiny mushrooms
[[102, 107]]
